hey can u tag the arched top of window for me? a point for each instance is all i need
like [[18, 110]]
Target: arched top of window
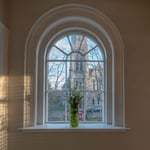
[[46, 40], [81, 44]]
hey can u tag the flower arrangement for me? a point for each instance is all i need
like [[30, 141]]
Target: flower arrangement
[[75, 97], [74, 100]]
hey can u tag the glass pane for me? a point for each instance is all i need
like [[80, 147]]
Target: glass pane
[[76, 41], [56, 106], [95, 55], [94, 93], [56, 98], [90, 43], [56, 54], [56, 74], [64, 45]]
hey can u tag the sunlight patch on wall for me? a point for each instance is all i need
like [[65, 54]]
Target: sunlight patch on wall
[[3, 112], [27, 92], [3, 87]]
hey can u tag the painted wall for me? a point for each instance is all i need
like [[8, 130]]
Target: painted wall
[[4, 11], [132, 18], [1, 9]]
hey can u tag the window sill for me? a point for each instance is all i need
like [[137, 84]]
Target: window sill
[[80, 128]]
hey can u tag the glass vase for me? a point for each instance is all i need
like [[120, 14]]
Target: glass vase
[[74, 118]]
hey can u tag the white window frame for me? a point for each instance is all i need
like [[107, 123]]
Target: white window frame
[[52, 24], [76, 31]]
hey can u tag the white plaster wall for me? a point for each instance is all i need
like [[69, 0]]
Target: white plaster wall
[[132, 18]]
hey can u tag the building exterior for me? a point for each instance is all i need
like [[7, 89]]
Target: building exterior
[[90, 80]]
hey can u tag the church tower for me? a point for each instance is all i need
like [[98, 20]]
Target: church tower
[[79, 66], [79, 69]]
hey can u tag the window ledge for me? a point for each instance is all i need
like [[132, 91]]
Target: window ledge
[[80, 128]]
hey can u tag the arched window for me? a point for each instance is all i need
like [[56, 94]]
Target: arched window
[[84, 49]]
